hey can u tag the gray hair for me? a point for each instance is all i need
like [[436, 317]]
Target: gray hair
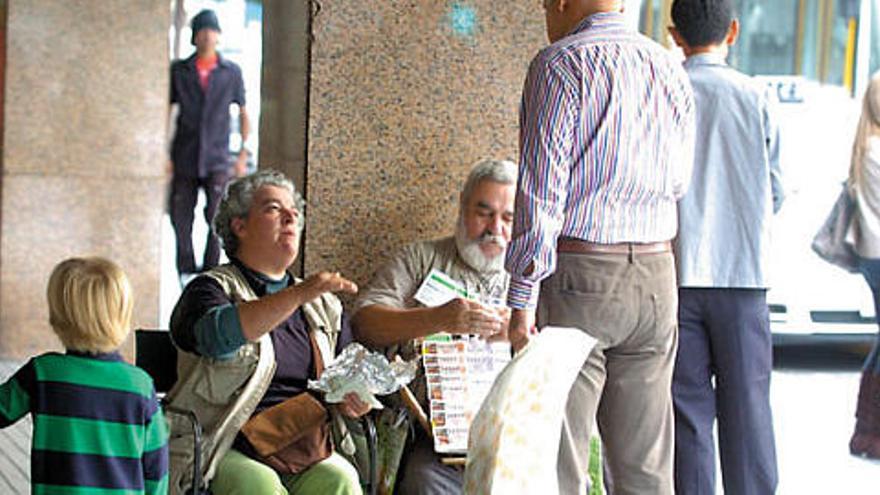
[[239, 198], [501, 171]]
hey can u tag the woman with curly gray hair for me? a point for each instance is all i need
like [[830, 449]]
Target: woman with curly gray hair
[[251, 336], [238, 200]]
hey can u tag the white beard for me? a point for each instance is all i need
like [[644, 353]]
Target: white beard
[[473, 256]]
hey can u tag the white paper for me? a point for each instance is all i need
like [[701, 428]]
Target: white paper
[[438, 289], [459, 372], [514, 438]]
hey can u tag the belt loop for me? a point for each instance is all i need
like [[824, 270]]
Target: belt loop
[[630, 251]]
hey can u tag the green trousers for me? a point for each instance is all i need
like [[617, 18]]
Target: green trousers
[[238, 474]]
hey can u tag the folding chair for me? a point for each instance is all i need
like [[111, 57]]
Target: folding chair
[[369, 426], [156, 354]]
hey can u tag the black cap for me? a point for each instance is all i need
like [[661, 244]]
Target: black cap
[[205, 19]]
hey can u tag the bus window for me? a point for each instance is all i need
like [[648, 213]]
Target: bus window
[[815, 39], [874, 64], [768, 38]]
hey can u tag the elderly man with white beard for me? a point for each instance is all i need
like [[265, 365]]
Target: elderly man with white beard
[[387, 316]]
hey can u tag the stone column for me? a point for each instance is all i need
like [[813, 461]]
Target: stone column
[[405, 96], [85, 114], [284, 90]]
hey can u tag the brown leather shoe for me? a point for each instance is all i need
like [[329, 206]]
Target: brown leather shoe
[[865, 445]]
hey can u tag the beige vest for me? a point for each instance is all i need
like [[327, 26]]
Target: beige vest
[[224, 393]]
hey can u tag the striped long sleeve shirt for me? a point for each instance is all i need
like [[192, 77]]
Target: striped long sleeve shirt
[[606, 147], [98, 428]]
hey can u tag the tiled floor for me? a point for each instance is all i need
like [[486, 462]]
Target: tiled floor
[[813, 404], [15, 445]]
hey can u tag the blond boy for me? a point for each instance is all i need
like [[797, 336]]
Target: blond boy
[[97, 423]]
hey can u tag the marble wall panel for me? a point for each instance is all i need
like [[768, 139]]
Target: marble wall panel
[[87, 86], [83, 157], [48, 219], [405, 95]]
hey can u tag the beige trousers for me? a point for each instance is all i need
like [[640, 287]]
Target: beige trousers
[[629, 304]]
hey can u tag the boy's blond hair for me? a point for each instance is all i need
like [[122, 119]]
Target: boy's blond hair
[[90, 304]]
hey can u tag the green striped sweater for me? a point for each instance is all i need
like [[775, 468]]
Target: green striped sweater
[[98, 428]]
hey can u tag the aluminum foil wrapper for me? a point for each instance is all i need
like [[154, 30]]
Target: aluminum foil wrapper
[[366, 373]]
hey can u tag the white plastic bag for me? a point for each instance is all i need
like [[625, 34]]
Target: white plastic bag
[[514, 439]]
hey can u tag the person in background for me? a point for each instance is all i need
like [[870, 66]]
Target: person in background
[[204, 86], [725, 350], [864, 188], [606, 150], [98, 427]]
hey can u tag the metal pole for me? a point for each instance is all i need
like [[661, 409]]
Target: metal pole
[[799, 38], [179, 22], [863, 47]]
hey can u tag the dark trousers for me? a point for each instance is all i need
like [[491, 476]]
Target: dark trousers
[[423, 473], [724, 334], [184, 193]]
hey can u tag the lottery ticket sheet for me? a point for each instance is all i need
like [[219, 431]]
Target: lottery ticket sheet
[[460, 372]]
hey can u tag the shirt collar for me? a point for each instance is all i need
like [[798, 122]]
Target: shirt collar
[[221, 62], [100, 356], [708, 58], [600, 20], [259, 282]]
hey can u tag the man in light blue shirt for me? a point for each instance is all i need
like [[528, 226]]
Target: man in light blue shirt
[[722, 246]]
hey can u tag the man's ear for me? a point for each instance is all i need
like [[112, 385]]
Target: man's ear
[[561, 5], [732, 33], [679, 40]]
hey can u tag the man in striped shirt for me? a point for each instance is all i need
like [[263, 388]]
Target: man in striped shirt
[[606, 150]]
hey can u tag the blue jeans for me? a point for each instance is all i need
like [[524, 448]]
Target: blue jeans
[[866, 438], [870, 269]]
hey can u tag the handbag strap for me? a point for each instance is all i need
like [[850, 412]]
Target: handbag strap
[[316, 355]]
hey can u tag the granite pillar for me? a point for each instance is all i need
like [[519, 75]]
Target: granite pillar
[[83, 152], [405, 95], [284, 91]]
